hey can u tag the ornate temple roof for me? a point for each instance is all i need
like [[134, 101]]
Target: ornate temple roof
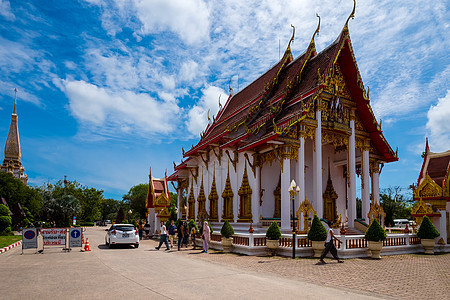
[[436, 165], [156, 188], [284, 95]]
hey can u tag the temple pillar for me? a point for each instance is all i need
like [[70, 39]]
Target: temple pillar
[[376, 183], [285, 201], [301, 177], [317, 169], [365, 185], [351, 213], [443, 225], [256, 195], [180, 198]]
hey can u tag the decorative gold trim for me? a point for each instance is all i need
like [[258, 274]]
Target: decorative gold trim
[[235, 159], [201, 200], [277, 198], [306, 208], [245, 199], [376, 212], [213, 200], [228, 195], [191, 203]]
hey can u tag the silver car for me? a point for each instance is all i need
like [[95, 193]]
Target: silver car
[[122, 234]]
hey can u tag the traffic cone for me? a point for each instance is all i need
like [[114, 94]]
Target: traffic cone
[[82, 238], [86, 247]]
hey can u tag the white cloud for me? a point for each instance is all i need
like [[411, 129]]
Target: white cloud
[[5, 10], [198, 114], [438, 124], [112, 113]]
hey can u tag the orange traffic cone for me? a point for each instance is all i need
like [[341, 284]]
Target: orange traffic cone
[[82, 238], [86, 247]]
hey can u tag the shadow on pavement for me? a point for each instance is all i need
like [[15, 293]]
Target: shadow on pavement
[[106, 247]]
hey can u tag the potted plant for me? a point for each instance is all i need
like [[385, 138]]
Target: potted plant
[[227, 233], [427, 233], [317, 234], [273, 234], [375, 235]]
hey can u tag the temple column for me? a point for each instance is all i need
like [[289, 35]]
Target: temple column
[[376, 183], [285, 201], [351, 213], [365, 185], [301, 177], [180, 198], [443, 225], [255, 195], [317, 169]]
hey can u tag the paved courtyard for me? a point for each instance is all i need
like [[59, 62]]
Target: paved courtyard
[[145, 273]]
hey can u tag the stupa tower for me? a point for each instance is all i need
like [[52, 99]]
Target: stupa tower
[[12, 163]]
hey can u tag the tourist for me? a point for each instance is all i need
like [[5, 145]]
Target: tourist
[[185, 234], [140, 229], [180, 234], [206, 234], [193, 233], [147, 230], [163, 237], [329, 245], [172, 232]]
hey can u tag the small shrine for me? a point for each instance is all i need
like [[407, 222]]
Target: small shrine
[[432, 191], [158, 202]]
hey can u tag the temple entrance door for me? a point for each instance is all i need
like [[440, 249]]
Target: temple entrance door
[[330, 209]]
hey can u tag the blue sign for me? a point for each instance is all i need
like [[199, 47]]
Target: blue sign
[[29, 234], [75, 234]]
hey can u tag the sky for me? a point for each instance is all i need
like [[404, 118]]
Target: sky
[[109, 88]]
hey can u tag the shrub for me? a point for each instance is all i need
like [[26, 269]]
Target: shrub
[[192, 224], [427, 229], [375, 232], [5, 223], [227, 230], [86, 224], [4, 210], [317, 232], [273, 232]]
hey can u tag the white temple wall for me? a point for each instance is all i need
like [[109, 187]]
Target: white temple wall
[[269, 180]]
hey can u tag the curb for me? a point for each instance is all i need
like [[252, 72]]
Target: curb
[[10, 246]]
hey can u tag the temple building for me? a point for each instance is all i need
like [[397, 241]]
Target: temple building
[[306, 119], [432, 192], [158, 202], [12, 163]]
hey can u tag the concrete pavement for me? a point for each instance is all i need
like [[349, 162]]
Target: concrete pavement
[[145, 273]]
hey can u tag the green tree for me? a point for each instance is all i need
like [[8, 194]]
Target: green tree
[[395, 204], [5, 220], [173, 206], [14, 192], [62, 209], [109, 209], [136, 199]]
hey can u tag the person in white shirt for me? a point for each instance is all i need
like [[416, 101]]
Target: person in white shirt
[[329, 245], [163, 237]]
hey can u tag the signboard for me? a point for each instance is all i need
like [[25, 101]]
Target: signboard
[[29, 238], [54, 236], [75, 237]]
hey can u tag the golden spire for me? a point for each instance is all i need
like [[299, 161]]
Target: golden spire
[[352, 15], [220, 105], [15, 100], [292, 38], [317, 30], [229, 86]]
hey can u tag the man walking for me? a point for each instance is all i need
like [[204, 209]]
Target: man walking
[[163, 237], [329, 245], [172, 232]]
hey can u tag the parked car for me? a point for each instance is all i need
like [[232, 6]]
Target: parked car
[[122, 234], [401, 223]]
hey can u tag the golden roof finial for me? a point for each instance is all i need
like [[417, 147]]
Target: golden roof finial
[[209, 119], [15, 100], [317, 30], [220, 105], [292, 38], [229, 86], [352, 15]]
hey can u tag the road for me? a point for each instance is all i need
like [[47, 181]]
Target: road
[[145, 273]]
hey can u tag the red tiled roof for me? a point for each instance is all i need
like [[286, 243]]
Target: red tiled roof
[[437, 168]]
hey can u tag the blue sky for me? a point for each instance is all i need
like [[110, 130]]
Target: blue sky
[[108, 88]]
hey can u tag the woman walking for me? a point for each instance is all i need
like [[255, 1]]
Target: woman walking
[[185, 234], [206, 234]]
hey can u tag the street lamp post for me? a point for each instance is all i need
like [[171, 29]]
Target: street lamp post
[[293, 190]]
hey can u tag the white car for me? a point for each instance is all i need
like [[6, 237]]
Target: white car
[[123, 234]]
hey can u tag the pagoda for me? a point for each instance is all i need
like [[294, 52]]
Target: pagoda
[[12, 163], [286, 125], [432, 191], [158, 202]]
